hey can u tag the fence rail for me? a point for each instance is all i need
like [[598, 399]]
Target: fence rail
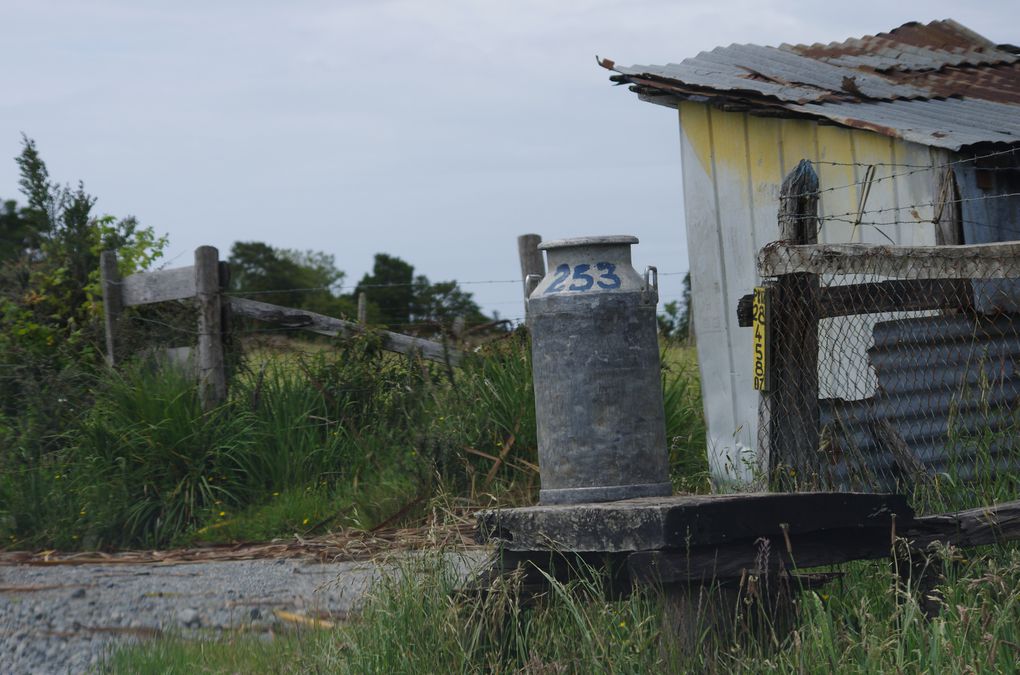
[[327, 325], [205, 283], [990, 261]]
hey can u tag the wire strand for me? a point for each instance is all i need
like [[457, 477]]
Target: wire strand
[[914, 169]]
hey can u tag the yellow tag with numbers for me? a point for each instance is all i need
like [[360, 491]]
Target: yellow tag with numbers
[[759, 311]]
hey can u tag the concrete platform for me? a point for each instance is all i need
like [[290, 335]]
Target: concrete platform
[[688, 521]]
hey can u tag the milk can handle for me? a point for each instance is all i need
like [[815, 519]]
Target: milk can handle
[[652, 278]]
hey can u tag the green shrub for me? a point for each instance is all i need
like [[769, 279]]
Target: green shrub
[[147, 463]]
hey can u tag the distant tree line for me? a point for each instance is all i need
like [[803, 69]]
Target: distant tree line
[[396, 297]]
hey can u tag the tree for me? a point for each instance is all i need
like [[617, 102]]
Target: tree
[[50, 299], [675, 322], [410, 303], [302, 279], [442, 302], [49, 274], [390, 287], [16, 231]]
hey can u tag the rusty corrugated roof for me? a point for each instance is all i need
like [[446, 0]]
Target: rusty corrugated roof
[[939, 84]]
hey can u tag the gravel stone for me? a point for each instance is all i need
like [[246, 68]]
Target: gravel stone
[[43, 631], [189, 618]]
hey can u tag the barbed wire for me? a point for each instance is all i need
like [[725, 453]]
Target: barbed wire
[[278, 329], [914, 169], [338, 288]]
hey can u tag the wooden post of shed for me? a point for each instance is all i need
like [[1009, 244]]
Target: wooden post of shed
[[113, 302], [532, 262], [790, 407], [212, 381]]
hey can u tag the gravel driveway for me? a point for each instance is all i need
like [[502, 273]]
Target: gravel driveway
[[63, 618]]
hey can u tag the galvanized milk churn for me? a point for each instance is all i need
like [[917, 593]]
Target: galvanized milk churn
[[598, 390]]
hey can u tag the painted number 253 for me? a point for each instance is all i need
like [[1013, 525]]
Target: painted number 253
[[582, 278]]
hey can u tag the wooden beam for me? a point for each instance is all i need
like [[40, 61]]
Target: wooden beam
[[895, 296], [362, 308], [909, 295], [327, 325], [113, 303], [147, 287], [974, 261], [212, 380], [946, 211], [789, 412], [973, 527], [762, 555]]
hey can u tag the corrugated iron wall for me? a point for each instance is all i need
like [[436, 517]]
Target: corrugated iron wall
[[946, 403]]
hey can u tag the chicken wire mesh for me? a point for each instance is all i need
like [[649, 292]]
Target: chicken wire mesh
[[892, 369]]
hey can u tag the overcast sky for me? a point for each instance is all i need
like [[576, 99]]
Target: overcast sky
[[433, 130]]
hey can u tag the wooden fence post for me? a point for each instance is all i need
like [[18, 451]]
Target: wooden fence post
[[362, 308], [791, 408], [113, 302], [212, 379], [532, 262]]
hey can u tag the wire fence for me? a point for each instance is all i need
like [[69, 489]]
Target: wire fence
[[893, 368]]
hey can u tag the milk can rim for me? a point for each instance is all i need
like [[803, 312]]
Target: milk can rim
[[610, 240]]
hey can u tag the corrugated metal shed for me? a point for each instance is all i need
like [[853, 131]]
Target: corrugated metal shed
[[938, 84], [902, 105]]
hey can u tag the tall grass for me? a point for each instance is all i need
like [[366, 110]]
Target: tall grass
[[418, 622], [685, 424], [346, 436]]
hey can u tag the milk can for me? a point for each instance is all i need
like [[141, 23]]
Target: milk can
[[598, 387]]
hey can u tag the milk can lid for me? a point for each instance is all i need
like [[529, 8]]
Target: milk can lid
[[610, 240]]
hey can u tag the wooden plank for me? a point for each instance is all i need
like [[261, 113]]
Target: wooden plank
[[895, 296], [766, 554], [327, 325], [212, 380], [973, 527], [159, 286], [975, 261], [946, 212], [883, 296], [532, 263], [362, 308], [684, 521], [790, 410], [113, 303]]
